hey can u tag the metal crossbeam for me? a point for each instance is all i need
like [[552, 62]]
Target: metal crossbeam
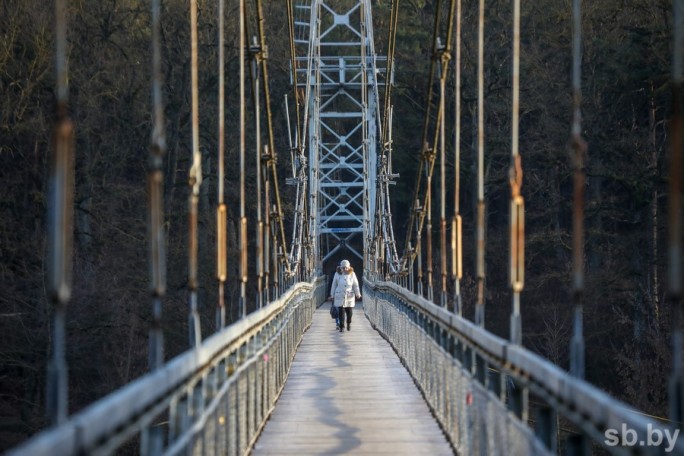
[[343, 75]]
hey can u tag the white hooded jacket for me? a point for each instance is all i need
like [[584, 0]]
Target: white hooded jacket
[[345, 288]]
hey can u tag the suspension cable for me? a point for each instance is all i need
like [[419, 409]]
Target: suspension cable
[[381, 237], [267, 222], [391, 44], [256, 57], [269, 124], [314, 59], [480, 238], [293, 63], [426, 153], [364, 125], [579, 149], [194, 182], [243, 218], [155, 194], [428, 156], [312, 49], [445, 57], [221, 212], [456, 226], [60, 225], [433, 69], [517, 233], [299, 166]]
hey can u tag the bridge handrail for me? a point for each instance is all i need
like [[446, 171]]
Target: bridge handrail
[[591, 409], [84, 431]]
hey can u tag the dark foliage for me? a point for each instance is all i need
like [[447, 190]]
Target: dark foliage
[[626, 103]]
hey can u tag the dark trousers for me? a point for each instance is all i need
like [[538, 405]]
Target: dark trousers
[[341, 315]]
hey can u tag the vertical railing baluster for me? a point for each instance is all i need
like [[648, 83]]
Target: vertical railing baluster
[[232, 420]]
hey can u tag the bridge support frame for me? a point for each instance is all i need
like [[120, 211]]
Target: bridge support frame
[[342, 77]]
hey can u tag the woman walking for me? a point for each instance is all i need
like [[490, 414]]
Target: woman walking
[[345, 291]]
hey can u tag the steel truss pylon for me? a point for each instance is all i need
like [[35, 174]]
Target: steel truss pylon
[[340, 75]]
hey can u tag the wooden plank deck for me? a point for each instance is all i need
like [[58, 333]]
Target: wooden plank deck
[[348, 393]]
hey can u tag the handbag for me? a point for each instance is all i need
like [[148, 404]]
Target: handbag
[[333, 311]]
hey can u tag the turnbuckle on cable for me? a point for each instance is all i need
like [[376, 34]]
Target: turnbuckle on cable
[[517, 270]]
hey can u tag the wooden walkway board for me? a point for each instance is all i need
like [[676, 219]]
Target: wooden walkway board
[[348, 393]]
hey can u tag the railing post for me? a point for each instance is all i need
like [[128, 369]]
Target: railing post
[[518, 401], [151, 441], [481, 370], [496, 383], [577, 445], [546, 428], [467, 360], [183, 413]]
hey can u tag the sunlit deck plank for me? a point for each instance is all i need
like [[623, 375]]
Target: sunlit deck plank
[[348, 393]]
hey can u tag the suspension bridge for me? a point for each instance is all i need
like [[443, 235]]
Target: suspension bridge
[[413, 376]]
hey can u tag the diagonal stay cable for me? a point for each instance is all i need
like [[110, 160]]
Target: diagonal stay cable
[[428, 155], [423, 146], [269, 124]]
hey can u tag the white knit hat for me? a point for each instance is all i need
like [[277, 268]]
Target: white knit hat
[[344, 264]]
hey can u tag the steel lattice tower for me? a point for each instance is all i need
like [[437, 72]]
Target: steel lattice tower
[[340, 75]]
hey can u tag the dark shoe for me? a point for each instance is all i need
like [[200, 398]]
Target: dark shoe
[[348, 327], [341, 328]]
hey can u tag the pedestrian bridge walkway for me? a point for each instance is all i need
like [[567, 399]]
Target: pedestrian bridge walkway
[[348, 393], [277, 378], [282, 380]]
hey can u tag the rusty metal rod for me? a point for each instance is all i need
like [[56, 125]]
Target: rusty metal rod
[[481, 219], [60, 226], [517, 211]]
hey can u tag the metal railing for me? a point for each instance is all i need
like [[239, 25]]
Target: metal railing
[[479, 387], [213, 399]]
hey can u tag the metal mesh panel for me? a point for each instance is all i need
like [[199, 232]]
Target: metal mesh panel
[[474, 418], [213, 399]]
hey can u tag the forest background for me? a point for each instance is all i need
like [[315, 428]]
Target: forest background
[[626, 104]]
